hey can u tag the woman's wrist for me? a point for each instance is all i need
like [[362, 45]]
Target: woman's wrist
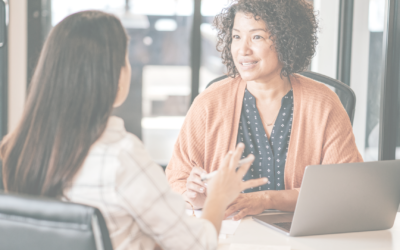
[[284, 200], [214, 210], [268, 200], [216, 198]]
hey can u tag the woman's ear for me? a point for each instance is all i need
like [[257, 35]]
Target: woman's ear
[[123, 84]]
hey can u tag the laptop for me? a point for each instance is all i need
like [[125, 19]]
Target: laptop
[[342, 198]]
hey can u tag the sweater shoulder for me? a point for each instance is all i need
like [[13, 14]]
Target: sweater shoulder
[[316, 92], [218, 93]]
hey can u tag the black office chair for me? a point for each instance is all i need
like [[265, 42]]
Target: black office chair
[[345, 93], [46, 224]]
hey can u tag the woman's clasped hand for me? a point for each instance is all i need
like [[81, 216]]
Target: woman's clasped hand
[[226, 184], [196, 190]]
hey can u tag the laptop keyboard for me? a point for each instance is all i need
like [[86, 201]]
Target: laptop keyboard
[[284, 225]]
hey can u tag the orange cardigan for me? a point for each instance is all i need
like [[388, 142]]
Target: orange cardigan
[[321, 131]]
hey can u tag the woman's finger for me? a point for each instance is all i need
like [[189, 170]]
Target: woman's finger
[[190, 194], [253, 183], [226, 160], [194, 187], [240, 215], [196, 179], [236, 156], [245, 167], [233, 203], [197, 171], [230, 211], [195, 176]]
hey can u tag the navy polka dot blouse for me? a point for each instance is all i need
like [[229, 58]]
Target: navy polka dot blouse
[[270, 154]]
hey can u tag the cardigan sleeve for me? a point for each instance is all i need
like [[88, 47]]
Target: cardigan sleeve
[[190, 147], [339, 144]]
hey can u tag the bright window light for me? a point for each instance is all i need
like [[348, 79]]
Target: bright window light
[[166, 25], [213, 7], [376, 20], [162, 8]]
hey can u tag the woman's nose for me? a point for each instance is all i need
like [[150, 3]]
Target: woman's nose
[[244, 48]]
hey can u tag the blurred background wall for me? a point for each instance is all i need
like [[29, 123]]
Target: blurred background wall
[[169, 68]]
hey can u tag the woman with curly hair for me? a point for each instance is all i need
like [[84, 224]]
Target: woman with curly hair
[[286, 121]]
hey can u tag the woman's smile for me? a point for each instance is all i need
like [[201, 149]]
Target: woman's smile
[[248, 64]]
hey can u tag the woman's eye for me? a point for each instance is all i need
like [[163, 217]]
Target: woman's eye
[[235, 37], [257, 37]]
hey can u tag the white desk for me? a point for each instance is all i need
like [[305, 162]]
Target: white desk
[[251, 232]]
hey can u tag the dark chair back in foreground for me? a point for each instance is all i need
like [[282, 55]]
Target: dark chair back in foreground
[[45, 224], [345, 93]]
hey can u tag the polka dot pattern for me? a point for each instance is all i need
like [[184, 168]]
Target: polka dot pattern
[[270, 154]]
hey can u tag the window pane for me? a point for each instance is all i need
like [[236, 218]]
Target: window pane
[[325, 59], [211, 64], [61, 8], [366, 73]]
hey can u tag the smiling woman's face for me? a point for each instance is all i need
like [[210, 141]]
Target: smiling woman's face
[[252, 51]]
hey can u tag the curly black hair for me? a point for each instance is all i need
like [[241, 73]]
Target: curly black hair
[[292, 25]]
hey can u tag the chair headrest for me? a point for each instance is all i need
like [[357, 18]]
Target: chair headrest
[[46, 209]]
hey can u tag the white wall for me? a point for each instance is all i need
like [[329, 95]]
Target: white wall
[[17, 61], [325, 59], [359, 69]]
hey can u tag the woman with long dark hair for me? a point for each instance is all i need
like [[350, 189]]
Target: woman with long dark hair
[[67, 146]]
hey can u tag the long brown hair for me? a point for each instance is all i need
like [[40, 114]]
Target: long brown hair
[[71, 96]]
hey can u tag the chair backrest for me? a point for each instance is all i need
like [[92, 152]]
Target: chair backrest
[[46, 224], [345, 93]]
